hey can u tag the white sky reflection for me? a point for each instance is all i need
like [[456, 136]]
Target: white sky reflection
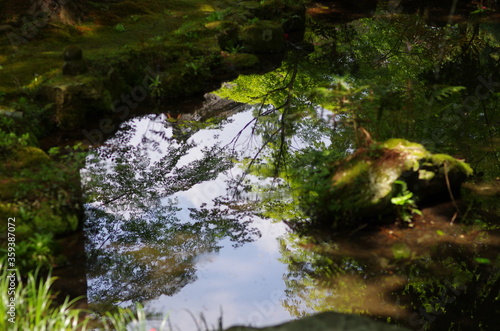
[[244, 284]]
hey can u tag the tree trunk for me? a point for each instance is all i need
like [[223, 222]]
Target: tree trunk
[[64, 11]]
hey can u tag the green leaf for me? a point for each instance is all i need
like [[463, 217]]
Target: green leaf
[[482, 260], [401, 200]]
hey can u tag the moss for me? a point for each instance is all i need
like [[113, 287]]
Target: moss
[[49, 218], [240, 61], [425, 174], [452, 164], [407, 146], [355, 171], [363, 184], [28, 156], [9, 187]]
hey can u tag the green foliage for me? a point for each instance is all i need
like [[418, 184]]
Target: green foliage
[[253, 20], [36, 119], [43, 190], [218, 15], [35, 309], [120, 27], [406, 206], [35, 252], [156, 87], [10, 141], [234, 49], [195, 66], [446, 92]]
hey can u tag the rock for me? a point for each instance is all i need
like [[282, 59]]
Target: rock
[[263, 37], [73, 100], [73, 61], [73, 53], [240, 62], [10, 112], [328, 321], [74, 68], [363, 185]]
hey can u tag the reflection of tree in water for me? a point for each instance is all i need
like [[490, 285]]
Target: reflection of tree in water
[[426, 280], [426, 277], [138, 245], [395, 75]]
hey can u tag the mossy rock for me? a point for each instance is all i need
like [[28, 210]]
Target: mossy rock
[[361, 186], [27, 157], [74, 98], [240, 62], [263, 37]]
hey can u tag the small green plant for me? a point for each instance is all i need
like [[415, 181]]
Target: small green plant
[[134, 18], [156, 87], [216, 16], [36, 251], [10, 141], [253, 20], [406, 206], [234, 49], [195, 66], [120, 27], [192, 34]]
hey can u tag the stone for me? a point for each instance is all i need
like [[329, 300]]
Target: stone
[[74, 68], [327, 321], [263, 37], [73, 53], [361, 186], [10, 112], [73, 61], [73, 99]]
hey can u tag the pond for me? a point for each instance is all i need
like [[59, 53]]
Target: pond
[[212, 277], [192, 213]]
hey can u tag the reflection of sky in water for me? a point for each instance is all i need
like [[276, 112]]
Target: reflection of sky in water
[[245, 285]]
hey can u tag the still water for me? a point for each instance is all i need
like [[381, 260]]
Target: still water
[[174, 250], [172, 222], [243, 285]]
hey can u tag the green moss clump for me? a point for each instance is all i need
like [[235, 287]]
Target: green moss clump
[[362, 186], [240, 61], [28, 157], [452, 164]]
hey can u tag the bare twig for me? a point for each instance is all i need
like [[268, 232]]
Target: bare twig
[[450, 192]]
